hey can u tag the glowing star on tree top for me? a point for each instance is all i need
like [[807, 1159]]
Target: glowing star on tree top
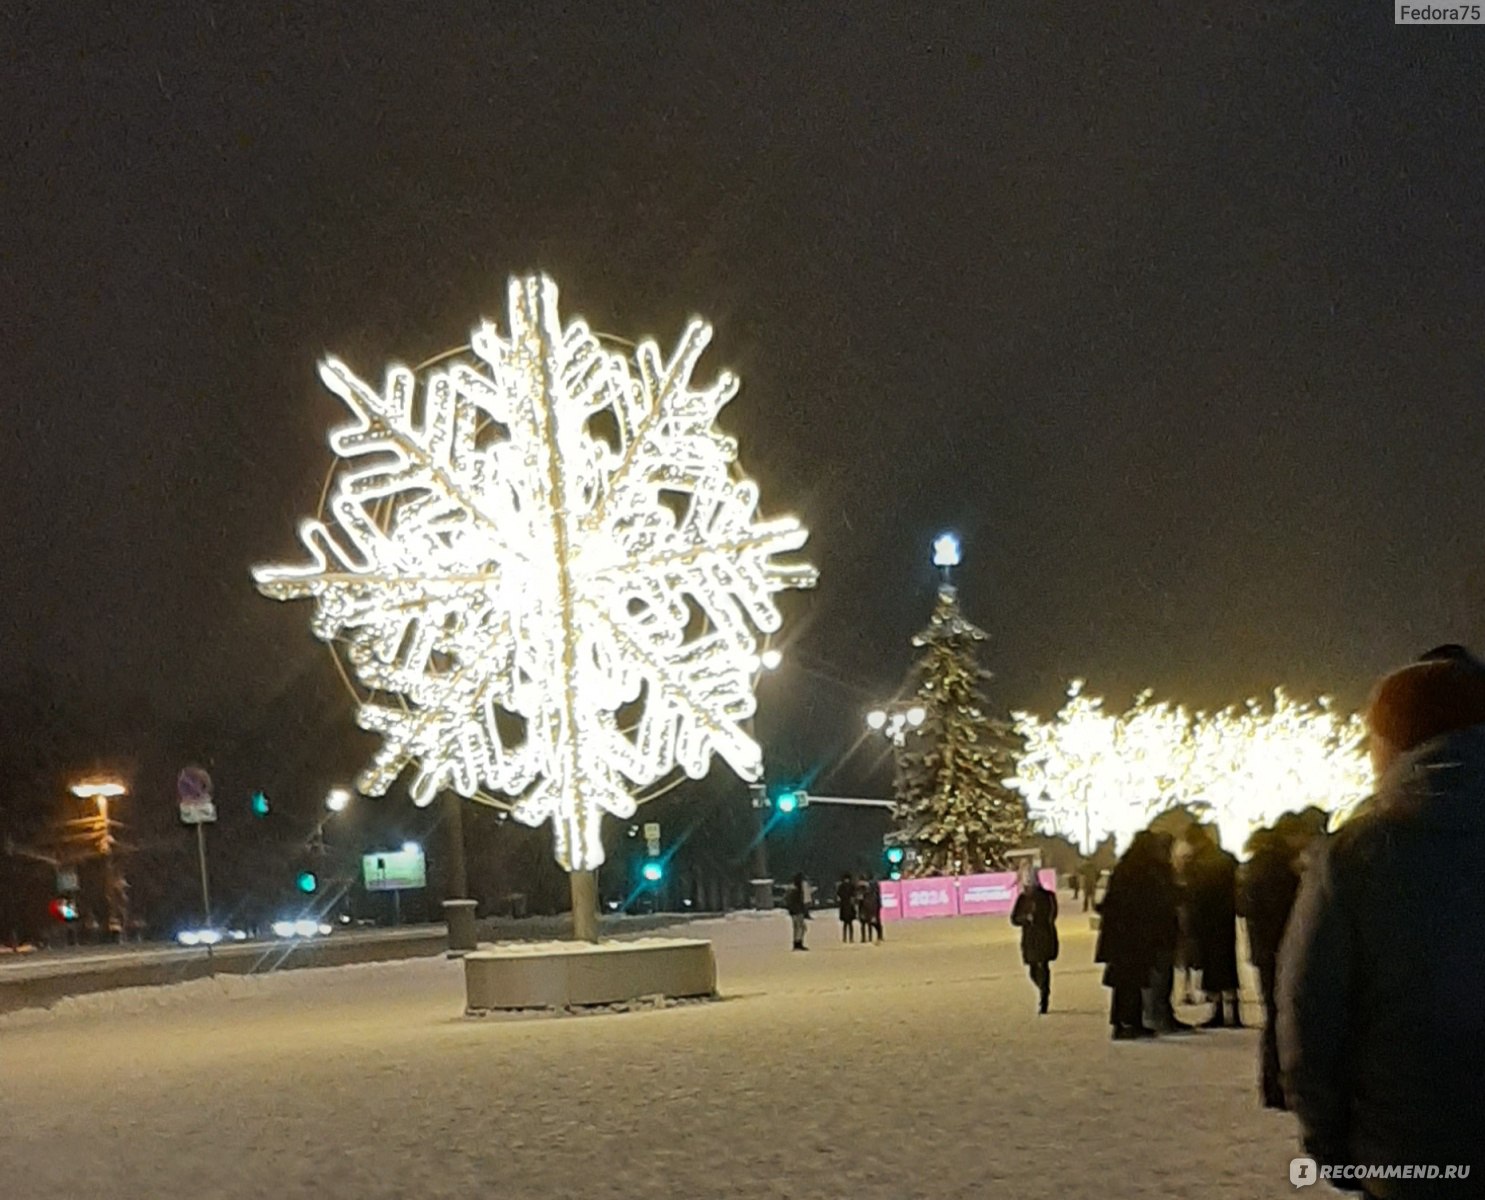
[[543, 564]]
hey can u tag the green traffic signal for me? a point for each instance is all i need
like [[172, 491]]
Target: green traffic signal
[[652, 871], [895, 854], [260, 804], [307, 882], [787, 802]]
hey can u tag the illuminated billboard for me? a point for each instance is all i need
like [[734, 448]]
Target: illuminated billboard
[[395, 870]]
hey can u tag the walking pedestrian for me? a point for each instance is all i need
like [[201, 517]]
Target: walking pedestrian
[[1129, 915], [1211, 875], [1035, 913], [845, 899], [1382, 967], [796, 900]]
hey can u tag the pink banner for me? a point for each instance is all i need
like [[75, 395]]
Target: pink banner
[[947, 896], [980, 895], [929, 898], [984, 895], [891, 900]]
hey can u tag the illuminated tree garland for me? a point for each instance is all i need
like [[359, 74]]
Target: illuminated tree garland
[[543, 564], [1087, 774]]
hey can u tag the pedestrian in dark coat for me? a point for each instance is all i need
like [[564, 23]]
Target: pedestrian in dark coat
[[1035, 913], [1159, 1013], [845, 899], [1381, 974], [1128, 934], [1090, 873], [1271, 884], [798, 905], [1211, 891], [873, 906]]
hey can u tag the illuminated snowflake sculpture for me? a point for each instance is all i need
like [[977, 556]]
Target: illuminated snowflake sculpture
[[541, 562]]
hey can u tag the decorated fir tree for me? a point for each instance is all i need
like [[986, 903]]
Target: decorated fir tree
[[954, 808]]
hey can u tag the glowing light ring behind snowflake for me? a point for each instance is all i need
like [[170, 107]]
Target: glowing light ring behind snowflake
[[541, 575]]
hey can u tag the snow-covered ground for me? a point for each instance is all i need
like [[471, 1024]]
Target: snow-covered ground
[[917, 1068]]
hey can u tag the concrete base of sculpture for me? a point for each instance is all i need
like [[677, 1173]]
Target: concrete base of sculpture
[[584, 975]]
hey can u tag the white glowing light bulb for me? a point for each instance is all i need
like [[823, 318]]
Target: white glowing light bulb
[[946, 550]]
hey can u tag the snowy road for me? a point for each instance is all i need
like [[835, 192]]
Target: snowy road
[[913, 1069]]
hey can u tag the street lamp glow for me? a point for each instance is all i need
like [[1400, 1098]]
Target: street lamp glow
[[916, 715], [946, 550], [98, 789], [337, 799], [770, 659], [876, 719]]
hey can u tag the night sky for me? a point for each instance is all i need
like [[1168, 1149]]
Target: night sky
[[1177, 319]]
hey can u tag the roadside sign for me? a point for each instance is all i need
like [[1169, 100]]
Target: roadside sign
[[67, 879], [193, 789], [395, 870], [652, 837]]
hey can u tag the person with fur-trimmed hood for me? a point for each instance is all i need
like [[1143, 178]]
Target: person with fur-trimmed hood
[[1381, 974]]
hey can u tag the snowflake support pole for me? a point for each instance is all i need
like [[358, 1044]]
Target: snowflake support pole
[[584, 888], [545, 570]]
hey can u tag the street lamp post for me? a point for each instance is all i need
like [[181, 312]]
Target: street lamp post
[[115, 887], [458, 908], [894, 721], [761, 881]]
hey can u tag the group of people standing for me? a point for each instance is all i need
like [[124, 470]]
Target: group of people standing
[[859, 902], [1369, 944], [1168, 902]]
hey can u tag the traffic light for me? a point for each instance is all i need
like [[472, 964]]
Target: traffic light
[[894, 856], [653, 871], [791, 800], [63, 909], [260, 805], [307, 882]]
